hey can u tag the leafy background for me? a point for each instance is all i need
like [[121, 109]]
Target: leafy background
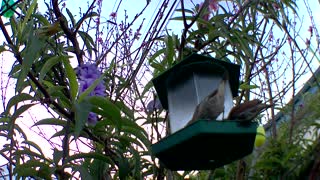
[[47, 41]]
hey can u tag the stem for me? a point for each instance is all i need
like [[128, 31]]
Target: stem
[[188, 26], [72, 36]]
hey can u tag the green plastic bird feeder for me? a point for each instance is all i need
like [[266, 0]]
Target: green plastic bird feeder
[[205, 144]]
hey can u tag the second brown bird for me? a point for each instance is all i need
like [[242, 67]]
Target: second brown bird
[[247, 111]]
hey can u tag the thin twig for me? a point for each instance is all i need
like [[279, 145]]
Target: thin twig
[[72, 36], [188, 26]]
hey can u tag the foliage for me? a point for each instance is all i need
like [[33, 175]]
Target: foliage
[[90, 74]]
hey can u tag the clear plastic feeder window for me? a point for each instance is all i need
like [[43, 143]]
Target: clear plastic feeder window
[[183, 97]]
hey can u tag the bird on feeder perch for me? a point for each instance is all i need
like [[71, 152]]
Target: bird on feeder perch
[[247, 111], [212, 105]]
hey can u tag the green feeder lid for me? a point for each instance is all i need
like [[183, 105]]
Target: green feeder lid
[[206, 145], [195, 63], [7, 9]]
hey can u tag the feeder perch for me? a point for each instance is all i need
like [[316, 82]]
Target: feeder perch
[[205, 144]]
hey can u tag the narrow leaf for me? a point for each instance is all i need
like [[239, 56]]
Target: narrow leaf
[[126, 110], [91, 88], [51, 121], [20, 110], [89, 15], [73, 21], [17, 99], [47, 66], [170, 50], [93, 155], [82, 111], [109, 110], [29, 13], [87, 39], [72, 78], [84, 174], [57, 155], [30, 54], [34, 145]]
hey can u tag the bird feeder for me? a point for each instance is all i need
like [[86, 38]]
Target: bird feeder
[[205, 144]]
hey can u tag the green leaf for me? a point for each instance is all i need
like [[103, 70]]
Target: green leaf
[[84, 94], [62, 99], [93, 155], [29, 153], [17, 99], [127, 141], [73, 21], [246, 86], [126, 110], [47, 66], [180, 18], [52, 122], [139, 133], [158, 66], [14, 27], [156, 55], [89, 15], [185, 10], [129, 126], [33, 168], [82, 110], [147, 87], [57, 156], [20, 110], [72, 78], [14, 73], [88, 41], [43, 20], [30, 54], [124, 168], [29, 13], [58, 93], [107, 109], [97, 168], [169, 50], [20, 131], [244, 44], [34, 145], [137, 164], [2, 49], [84, 173], [25, 171], [59, 133]]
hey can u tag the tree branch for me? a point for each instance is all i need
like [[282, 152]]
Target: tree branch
[[72, 36]]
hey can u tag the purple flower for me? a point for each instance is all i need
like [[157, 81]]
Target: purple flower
[[88, 71], [214, 5], [92, 119], [87, 74], [99, 2], [154, 105], [113, 14]]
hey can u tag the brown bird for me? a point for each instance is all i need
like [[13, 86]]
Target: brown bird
[[211, 106], [247, 111]]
